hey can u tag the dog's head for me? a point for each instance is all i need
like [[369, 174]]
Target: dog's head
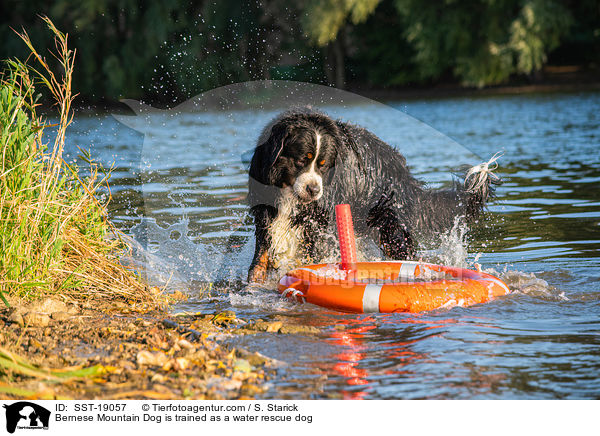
[[297, 152]]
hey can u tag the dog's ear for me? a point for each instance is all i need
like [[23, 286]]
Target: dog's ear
[[267, 153], [275, 142]]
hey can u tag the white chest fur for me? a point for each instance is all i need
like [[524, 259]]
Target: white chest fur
[[286, 239]]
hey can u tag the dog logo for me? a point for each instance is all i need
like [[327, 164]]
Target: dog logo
[[26, 415]]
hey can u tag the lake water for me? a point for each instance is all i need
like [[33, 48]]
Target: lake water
[[187, 170]]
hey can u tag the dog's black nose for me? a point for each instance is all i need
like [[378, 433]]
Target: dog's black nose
[[312, 189]]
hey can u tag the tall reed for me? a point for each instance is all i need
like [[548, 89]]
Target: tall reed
[[53, 229]]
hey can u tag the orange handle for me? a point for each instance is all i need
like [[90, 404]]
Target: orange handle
[[345, 229]]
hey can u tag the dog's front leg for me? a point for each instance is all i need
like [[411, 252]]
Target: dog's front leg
[[394, 238], [259, 267], [263, 215], [314, 225], [397, 243]]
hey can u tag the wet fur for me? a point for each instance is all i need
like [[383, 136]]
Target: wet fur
[[387, 202]]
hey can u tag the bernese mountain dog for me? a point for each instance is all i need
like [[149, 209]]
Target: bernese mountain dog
[[305, 163]]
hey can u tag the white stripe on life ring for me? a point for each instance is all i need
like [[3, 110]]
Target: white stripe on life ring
[[407, 271], [499, 283], [370, 300]]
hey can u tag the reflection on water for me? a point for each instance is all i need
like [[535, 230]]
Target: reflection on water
[[542, 237]]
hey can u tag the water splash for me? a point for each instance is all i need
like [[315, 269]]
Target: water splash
[[453, 246], [167, 257], [529, 284]]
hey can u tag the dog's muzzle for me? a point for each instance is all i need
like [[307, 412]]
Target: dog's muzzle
[[308, 187]]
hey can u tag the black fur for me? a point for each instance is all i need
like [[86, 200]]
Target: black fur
[[387, 202]]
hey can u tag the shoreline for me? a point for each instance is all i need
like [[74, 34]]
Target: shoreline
[[445, 91], [440, 93], [557, 84], [59, 349]]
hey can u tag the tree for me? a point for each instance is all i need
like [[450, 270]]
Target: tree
[[483, 42], [324, 22]]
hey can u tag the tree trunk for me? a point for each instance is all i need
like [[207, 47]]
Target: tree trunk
[[338, 50], [327, 54]]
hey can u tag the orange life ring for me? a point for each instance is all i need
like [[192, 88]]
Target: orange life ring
[[400, 286]]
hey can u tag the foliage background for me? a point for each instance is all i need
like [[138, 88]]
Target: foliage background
[[168, 51]]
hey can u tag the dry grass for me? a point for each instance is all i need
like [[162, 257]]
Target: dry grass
[[54, 232]]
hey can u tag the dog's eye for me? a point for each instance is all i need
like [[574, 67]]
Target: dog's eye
[[309, 155], [322, 162]]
